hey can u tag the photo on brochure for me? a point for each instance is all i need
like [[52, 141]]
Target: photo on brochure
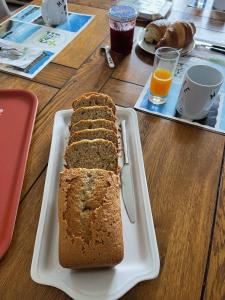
[[16, 31]]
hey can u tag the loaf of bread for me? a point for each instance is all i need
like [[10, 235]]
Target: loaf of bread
[[94, 99], [92, 134], [178, 35], [90, 228], [92, 124], [92, 154], [92, 113], [165, 34], [155, 30]]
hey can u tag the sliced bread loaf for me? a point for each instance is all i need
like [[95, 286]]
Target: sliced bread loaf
[[92, 134], [91, 154], [90, 227], [94, 99], [93, 113], [92, 124]]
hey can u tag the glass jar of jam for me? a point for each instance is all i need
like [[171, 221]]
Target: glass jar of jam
[[122, 20]]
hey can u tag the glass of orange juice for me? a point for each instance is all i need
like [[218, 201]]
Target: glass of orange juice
[[165, 62]]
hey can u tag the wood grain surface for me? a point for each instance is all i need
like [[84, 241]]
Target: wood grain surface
[[215, 288], [182, 163], [55, 75]]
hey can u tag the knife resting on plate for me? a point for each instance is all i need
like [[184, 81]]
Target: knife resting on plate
[[126, 179]]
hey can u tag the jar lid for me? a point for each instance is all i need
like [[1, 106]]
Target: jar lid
[[122, 13]]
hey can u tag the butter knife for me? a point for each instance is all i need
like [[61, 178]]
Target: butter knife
[[212, 47], [126, 180]]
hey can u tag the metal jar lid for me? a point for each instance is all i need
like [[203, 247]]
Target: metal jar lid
[[122, 13]]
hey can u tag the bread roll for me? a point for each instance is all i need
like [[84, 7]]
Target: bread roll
[[155, 30]]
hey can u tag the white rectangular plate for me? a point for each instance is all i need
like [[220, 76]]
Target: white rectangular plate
[[141, 259]]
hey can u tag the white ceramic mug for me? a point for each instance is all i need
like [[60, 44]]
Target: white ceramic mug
[[54, 12], [198, 92], [219, 5]]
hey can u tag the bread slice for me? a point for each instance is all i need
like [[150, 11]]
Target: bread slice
[[92, 124], [92, 113], [91, 154], [94, 99], [90, 227], [91, 134]]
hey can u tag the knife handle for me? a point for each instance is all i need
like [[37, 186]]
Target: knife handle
[[218, 47], [124, 136], [218, 50]]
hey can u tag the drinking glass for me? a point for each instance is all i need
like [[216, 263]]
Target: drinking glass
[[165, 62]]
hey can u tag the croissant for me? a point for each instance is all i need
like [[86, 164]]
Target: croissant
[[178, 35]]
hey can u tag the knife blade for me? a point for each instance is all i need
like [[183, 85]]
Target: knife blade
[[216, 48], [127, 180]]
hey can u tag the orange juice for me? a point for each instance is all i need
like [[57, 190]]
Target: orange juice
[[160, 82]]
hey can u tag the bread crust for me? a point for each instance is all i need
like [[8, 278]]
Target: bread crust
[[91, 134], [93, 113], [178, 35], [165, 34], [94, 99], [93, 124], [90, 231]]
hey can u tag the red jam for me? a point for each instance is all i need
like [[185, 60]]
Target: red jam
[[121, 41]]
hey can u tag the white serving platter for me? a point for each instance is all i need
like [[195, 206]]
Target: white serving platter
[[141, 258]]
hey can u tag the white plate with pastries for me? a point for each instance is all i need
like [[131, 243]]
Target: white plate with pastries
[[148, 37], [141, 257]]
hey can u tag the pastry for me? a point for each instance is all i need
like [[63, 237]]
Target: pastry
[[178, 35], [155, 30]]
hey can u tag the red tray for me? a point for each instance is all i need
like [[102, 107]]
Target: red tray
[[17, 114]]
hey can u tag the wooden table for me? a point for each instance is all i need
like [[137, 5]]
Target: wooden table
[[184, 167]]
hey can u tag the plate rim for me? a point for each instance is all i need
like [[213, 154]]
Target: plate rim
[[152, 242]]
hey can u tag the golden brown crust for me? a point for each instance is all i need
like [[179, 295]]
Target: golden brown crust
[[155, 30], [178, 35], [91, 134], [90, 228], [94, 99], [92, 113]]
